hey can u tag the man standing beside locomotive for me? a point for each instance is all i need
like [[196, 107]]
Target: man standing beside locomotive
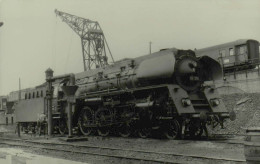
[[41, 123]]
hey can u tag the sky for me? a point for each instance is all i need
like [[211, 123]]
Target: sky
[[33, 38]]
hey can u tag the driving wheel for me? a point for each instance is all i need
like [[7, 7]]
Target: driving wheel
[[85, 120], [104, 120]]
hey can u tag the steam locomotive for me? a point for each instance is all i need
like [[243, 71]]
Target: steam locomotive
[[164, 91]]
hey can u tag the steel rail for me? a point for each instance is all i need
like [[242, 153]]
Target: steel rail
[[89, 153], [116, 149]]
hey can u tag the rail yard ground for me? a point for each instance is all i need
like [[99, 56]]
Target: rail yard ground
[[223, 146], [247, 109], [133, 150]]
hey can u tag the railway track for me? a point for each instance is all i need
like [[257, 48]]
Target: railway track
[[116, 153], [227, 138]]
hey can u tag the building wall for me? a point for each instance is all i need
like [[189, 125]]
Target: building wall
[[3, 103], [7, 119]]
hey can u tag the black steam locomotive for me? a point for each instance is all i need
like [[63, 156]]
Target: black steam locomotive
[[163, 91]]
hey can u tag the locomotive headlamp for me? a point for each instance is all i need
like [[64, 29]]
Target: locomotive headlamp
[[186, 102], [215, 102]]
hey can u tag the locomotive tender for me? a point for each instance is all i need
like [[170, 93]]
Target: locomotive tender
[[163, 91], [237, 55]]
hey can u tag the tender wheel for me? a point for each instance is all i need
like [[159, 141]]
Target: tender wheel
[[63, 128], [144, 132], [104, 119], [85, 120], [33, 129], [172, 129], [40, 128], [103, 131], [125, 130]]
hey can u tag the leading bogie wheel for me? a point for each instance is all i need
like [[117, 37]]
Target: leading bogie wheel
[[196, 132], [172, 129]]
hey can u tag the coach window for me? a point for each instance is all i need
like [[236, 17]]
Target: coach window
[[231, 51], [37, 94], [33, 95], [242, 50], [41, 93], [29, 96], [222, 53], [25, 97]]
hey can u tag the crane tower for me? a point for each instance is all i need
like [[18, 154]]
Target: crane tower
[[93, 40]]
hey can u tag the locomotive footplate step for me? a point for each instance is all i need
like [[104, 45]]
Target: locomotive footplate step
[[73, 139]]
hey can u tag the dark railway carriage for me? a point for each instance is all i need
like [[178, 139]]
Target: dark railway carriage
[[31, 110], [240, 54]]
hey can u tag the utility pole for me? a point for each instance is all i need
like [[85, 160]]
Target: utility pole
[[49, 95], [150, 45], [18, 124], [19, 89]]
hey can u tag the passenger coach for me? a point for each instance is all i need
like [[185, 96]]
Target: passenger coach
[[239, 55]]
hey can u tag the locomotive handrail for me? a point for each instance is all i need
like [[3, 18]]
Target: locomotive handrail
[[245, 62]]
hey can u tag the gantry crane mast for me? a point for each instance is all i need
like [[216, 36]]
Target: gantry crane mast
[[93, 40]]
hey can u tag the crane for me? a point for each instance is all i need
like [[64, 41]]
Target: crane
[[93, 41]]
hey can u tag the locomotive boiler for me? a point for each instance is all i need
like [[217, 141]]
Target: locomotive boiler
[[164, 91]]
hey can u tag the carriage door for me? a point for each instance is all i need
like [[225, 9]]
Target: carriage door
[[253, 51], [241, 54]]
